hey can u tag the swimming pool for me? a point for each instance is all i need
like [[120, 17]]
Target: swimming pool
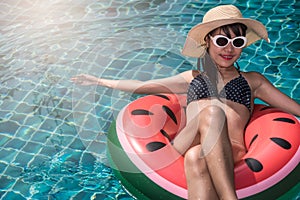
[[53, 133]]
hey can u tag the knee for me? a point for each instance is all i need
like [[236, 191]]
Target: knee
[[213, 111], [194, 163], [211, 115]]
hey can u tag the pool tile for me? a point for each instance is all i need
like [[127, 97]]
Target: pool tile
[[22, 159], [77, 145], [53, 133], [14, 171], [8, 155], [4, 139], [2, 167], [41, 136], [13, 195], [6, 182], [38, 160], [15, 143], [22, 188]]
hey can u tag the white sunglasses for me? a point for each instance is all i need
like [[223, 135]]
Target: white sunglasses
[[222, 41]]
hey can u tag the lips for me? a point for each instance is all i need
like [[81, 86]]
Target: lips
[[227, 57]]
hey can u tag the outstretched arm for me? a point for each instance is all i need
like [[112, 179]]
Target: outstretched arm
[[174, 84], [270, 94]]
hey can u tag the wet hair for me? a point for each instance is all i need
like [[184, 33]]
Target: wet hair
[[208, 65]]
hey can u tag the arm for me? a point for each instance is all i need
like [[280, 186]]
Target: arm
[[265, 91], [174, 84]]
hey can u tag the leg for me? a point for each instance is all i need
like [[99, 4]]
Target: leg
[[188, 136], [209, 128], [199, 182], [217, 150]]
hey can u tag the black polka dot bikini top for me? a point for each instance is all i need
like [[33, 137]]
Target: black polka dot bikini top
[[236, 90]]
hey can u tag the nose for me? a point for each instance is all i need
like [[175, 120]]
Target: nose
[[229, 47]]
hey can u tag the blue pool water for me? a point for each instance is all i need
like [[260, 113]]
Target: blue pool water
[[52, 132]]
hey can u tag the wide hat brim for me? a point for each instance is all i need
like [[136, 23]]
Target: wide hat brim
[[195, 45]]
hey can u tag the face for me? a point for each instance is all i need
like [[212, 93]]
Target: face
[[226, 56]]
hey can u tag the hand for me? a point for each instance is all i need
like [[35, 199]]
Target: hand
[[85, 79]]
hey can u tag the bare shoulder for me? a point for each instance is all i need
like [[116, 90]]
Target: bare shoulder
[[255, 79], [252, 75], [189, 75]]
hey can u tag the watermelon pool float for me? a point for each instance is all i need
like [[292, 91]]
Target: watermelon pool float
[[143, 159]]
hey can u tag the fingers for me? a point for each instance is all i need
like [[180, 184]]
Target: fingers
[[78, 79], [85, 79]]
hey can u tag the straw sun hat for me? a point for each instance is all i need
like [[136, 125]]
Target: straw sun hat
[[195, 45]]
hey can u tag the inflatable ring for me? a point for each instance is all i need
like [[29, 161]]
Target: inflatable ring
[[148, 167]]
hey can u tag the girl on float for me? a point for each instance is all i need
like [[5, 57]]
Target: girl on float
[[220, 100]]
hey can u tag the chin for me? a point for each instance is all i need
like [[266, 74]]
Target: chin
[[225, 64]]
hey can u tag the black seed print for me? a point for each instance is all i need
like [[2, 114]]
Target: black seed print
[[254, 164], [141, 112], [265, 108], [282, 143], [162, 96], [284, 119], [170, 113], [253, 139], [154, 146], [165, 134]]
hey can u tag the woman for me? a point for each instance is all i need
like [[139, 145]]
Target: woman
[[220, 100]]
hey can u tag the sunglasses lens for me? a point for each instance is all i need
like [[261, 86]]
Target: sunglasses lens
[[238, 42], [222, 41]]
